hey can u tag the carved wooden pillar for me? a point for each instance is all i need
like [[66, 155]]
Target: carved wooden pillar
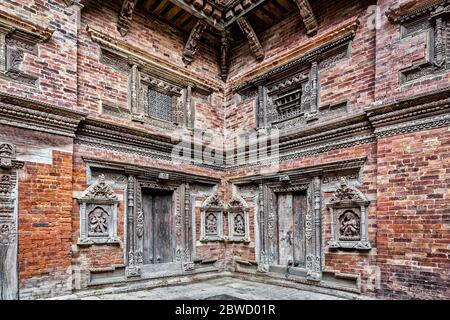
[[187, 222], [8, 222], [313, 231], [136, 107], [133, 267], [314, 83], [2, 50], [189, 109], [261, 117], [271, 218], [317, 228]]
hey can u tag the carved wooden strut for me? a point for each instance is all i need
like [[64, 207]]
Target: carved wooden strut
[[225, 46], [255, 45], [192, 44], [126, 16], [308, 17]]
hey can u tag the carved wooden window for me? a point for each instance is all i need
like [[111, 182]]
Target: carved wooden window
[[348, 208], [238, 220], [435, 21], [212, 219], [98, 214], [14, 44]]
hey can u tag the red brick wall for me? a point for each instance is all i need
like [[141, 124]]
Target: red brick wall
[[351, 80], [44, 211], [413, 214], [56, 64], [394, 54]]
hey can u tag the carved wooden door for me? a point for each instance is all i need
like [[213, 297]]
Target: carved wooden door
[[157, 238], [291, 228]]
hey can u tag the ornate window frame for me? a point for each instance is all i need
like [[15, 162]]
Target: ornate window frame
[[99, 197], [235, 208], [212, 206], [347, 199]]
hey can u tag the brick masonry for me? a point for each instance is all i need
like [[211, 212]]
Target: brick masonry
[[405, 175]]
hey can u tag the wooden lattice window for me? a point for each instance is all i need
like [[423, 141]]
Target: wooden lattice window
[[160, 105]]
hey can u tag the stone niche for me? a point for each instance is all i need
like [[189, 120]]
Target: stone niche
[[212, 219], [348, 209], [238, 220], [98, 214]]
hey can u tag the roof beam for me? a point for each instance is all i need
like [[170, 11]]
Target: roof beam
[[241, 8], [252, 38], [308, 17], [126, 16], [192, 44], [202, 10]]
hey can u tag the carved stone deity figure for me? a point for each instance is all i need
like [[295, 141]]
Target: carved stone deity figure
[[350, 225]]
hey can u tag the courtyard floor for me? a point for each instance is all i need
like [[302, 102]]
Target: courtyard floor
[[218, 289]]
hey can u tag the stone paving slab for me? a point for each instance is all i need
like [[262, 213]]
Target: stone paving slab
[[216, 289]]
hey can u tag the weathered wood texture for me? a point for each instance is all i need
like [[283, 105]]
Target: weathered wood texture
[[158, 246]]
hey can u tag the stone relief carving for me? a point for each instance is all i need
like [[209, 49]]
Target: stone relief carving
[[98, 214], [212, 219], [98, 220], [348, 209], [238, 220]]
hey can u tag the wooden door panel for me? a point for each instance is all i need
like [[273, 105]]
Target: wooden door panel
[[285, 228], [163, 228], [299, 204], [148, 245]]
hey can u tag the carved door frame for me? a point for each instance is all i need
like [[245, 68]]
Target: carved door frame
[[9, 277], [181, 204], [313, 223]]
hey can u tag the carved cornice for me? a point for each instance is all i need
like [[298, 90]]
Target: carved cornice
[[412, 9], [150, 172], [432, 105], [302, 174], [155, 65], [13, 23], [297, 56], [116, 137], [35, 115]]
